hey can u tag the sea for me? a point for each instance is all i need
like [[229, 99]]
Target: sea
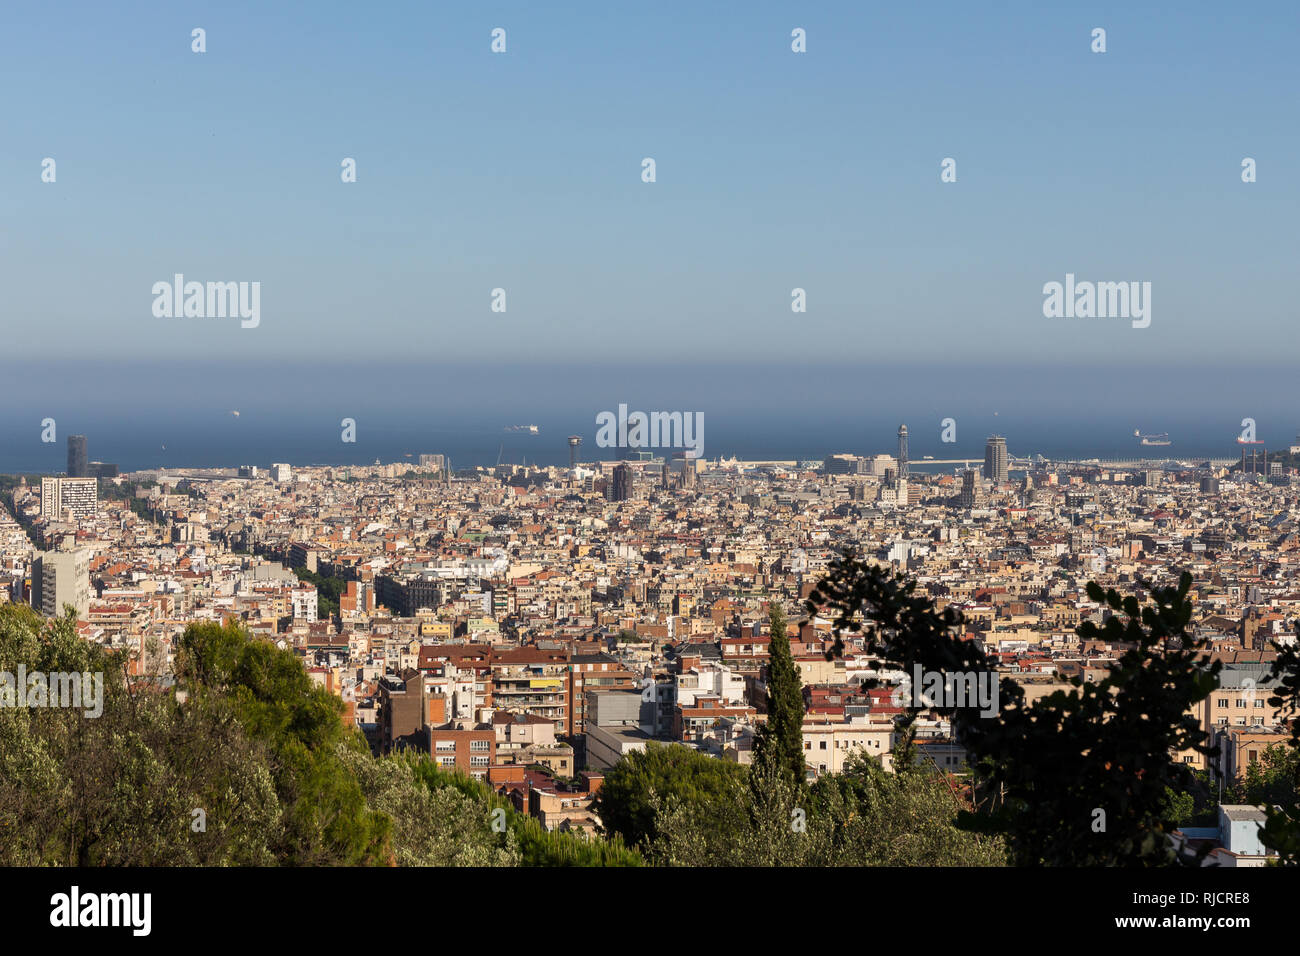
[[177, 414]]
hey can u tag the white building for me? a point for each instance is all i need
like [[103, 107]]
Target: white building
[[303, 602], [79, 497], [710, 680]]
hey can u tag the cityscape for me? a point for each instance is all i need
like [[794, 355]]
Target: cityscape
[[532, 627], [745, 440]]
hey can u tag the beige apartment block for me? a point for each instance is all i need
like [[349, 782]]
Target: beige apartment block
[[827, 746]]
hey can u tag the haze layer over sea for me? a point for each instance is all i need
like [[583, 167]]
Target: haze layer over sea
[[144, 415]]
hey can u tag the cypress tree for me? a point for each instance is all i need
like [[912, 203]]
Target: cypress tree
[[779, 743]]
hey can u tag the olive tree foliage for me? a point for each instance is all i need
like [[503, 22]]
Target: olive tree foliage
[[122, 788], [252, 765], [864, 816], [431, 826]]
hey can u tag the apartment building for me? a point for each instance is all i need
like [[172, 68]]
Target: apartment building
[[527, 680], [463, 746], [593, 671], [828, 744], [64, 498], [60, 578]]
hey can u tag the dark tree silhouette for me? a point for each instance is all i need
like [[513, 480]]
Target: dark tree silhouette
[[1079, 777]]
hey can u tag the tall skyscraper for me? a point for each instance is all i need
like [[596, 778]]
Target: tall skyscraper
[[902, 452], [995, 459], [77, 461], [574, 442], [621, 485]]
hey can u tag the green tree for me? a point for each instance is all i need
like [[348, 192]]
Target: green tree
[[861, 817], [325, 816], [1180, 809], [536, 845], [251, 766], [432, 826], [779, 742], [744, 825], [905, 818], [1281, 830], [1079, 777], [122, 788], [1270, 780], [626, 800], [328, 591]]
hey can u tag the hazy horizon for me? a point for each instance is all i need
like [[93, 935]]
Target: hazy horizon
[[293, 412]]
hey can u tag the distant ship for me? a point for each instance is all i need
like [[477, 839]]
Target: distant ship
[[531, 429], [1160, 439]]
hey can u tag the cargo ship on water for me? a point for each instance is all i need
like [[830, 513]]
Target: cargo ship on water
[[1160, 439]]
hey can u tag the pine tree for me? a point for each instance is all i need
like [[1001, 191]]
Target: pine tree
[[1079, 777], [779, 743]]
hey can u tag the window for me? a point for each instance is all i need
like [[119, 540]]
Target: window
[[823, 747], [479, 745]]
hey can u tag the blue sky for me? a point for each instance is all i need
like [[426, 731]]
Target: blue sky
[[775, 170]]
